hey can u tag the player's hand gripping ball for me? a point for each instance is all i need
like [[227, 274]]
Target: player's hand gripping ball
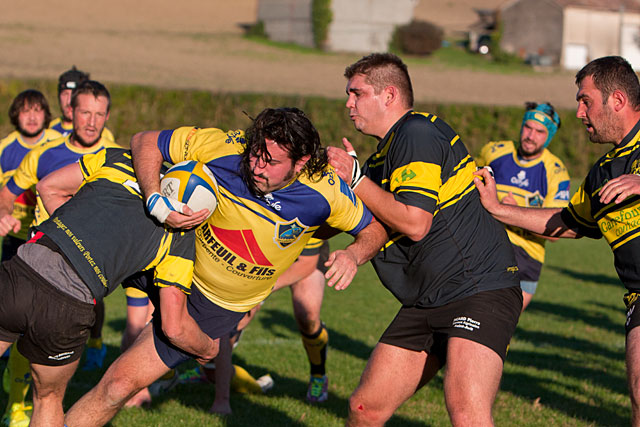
[[192, 183]]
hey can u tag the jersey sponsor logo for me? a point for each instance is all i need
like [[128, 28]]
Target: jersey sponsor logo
[[287, 233], [635, 167], [238, 250], [27, 198], [61, 356], [520, 180], [234, 137], [271, 201], [563, 191]]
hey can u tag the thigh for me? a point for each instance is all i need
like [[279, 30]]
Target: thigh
[[52, 379], [392, 375]]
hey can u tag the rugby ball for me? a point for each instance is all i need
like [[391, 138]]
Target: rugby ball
[[192, 183]]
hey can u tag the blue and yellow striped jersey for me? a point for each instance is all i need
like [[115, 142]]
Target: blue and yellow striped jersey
[[45, 159], [249, 241], [423, 162], [12, 151], [541, 182]]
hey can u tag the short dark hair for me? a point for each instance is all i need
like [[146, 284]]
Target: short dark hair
[[382, 70], [90, 87], [293, 131], [29, 97], [71, 79], [612, 73]]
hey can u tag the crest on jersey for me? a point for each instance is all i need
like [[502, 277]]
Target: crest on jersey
[[288, 232], [635, 167]]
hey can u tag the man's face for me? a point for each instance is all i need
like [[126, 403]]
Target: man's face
[[65, 105], [366, 109], [532, 139], [89, 118], [277, 172], [31, 120], [599, 118]]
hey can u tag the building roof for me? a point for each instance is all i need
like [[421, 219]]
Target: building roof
[[609, 5]]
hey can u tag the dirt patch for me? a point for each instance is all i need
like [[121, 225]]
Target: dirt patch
[[195, 44]]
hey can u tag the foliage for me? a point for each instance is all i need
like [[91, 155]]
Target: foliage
[[417, 38], [321, 17], [137, 108], [497, 53], [256, 30]]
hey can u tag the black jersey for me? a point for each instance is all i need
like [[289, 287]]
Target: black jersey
[[618, 223], [107, 235], [424, 163]]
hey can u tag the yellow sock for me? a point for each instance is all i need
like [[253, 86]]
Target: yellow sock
[[20, 374], [243, 382], [95, 342], [316, 348]]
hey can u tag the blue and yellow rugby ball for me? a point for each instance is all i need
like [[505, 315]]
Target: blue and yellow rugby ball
[[192, 183]]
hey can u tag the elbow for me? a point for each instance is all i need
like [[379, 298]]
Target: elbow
[[417, 232], [172, 330], [417, 236]]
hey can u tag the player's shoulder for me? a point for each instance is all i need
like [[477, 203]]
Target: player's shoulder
[[13, 136], [553, 164], [495, 149]]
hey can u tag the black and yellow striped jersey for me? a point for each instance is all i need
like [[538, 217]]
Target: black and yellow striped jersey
[[425, 164], [107, 235], [618, 223]]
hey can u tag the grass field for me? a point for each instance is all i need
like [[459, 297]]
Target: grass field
[[565, 366]]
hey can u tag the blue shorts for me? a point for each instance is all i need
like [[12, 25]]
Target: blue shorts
[[529, 286], [214, 320]]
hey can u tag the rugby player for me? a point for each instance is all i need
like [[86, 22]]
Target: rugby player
[[75, 259], [607, 202], [448, 261], [274, 191], [529, 175], [91, 104]]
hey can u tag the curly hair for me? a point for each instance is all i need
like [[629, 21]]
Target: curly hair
[[29, 97], [294, 132]]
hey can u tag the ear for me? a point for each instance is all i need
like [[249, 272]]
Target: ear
[[618, 100], [390, 95], [300, 163]]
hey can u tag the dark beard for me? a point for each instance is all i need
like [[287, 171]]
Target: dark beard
[[246, 173], [84, 143], [24, 132]]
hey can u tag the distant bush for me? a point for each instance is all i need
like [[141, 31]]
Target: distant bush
[[417, 38], [321, 17], [256, 30]]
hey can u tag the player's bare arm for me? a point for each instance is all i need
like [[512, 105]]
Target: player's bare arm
[[7, 222], [59, 186], [301, 268], [408, 220], [147, 161], [343, 264], [543, 221], [618, 189], [181, 329]]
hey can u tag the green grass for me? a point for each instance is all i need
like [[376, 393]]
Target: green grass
[[565, 366]]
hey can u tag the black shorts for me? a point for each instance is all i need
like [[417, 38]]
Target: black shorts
[[50, 326], [324, 256], [488, 318], [214, 320]]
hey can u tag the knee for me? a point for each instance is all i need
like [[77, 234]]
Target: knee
[[117, 389], [363, 413]]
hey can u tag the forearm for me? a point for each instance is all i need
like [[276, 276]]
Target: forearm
[[368, 242], [301, 268], [181, 329], [408, 220], [147, 161], [546, 222]]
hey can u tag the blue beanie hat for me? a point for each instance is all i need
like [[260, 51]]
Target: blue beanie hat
[[544, 113]]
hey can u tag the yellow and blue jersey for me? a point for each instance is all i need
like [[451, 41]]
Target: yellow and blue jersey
[[619, 223], [424, 163], [541, 182], [66, 128], [12, 151], [45, 159], [249, 241]]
